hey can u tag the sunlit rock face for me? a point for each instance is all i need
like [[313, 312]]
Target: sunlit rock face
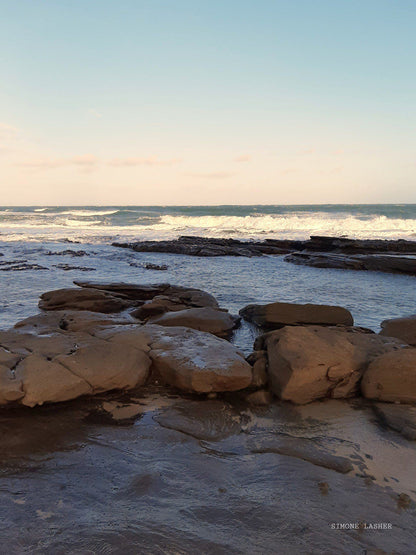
[[392, 377], [306, 363], [63, 365], [402, 328]]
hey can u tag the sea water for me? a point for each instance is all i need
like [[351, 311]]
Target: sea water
[[30, 234]]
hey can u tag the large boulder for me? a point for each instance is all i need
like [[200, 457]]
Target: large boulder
[[277, 315], [392, 377], [402, 328], [207, 319], [36, 369], [82, 299], [188, 359], [306, 363]]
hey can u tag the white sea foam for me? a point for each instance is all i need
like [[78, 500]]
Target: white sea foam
[[294, 224]]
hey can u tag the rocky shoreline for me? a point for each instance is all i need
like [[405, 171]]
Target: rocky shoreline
[[136, 393], [393, 256], [102, 336]]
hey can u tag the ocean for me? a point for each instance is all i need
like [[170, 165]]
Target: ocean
[[35, 240], [92, 223]]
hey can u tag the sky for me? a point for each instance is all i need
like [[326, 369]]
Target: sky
[[184, 102]]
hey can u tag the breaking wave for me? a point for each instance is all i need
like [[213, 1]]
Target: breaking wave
[[245, 222]]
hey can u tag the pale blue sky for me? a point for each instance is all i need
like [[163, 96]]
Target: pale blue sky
[[191, 102]]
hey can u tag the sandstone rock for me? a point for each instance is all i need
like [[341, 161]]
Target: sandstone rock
[[258, 360], [277, 315], [49, 345], [311, 362], [392, 377], [187, 296], [35, 369], [157, 306], [198, 361], [259, 398], [10, 386], [188, 359], [70, 320], [106, 366], [82, 299], [204, 319], [402, 328], [48, 381]]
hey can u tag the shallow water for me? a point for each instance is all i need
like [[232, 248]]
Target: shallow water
[[186, 476], [235, 282]]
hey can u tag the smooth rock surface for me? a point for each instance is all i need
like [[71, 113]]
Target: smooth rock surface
[[402, 328], [392, 377], [206, 319], [188, 359], [306, 363], [70, 320], [277, 315], [188, 296], [82, 299], [401, 418], [37, 369]]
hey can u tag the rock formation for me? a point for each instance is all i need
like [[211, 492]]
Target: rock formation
[[277, 315], [306, 363], [392, 377], [402, 328]]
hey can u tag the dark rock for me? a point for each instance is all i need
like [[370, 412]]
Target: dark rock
[[19, 266], [67, 252], [161, 267], [67, 267], [375, 262], [278, 315], [206, 246]]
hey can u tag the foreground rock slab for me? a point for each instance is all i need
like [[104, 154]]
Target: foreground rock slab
[[277, 315], [401, 418], [188, 359], [312, 362], [43, 361], [402, 328], [392, 377]]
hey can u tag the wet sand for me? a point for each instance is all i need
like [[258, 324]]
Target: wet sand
[[158, 473]]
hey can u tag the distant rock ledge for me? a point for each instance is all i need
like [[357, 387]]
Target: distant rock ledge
[[398, 256]]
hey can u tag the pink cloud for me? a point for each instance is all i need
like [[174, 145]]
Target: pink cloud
[[242, 158], [211, 175], [86, 162], [151, 161]]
